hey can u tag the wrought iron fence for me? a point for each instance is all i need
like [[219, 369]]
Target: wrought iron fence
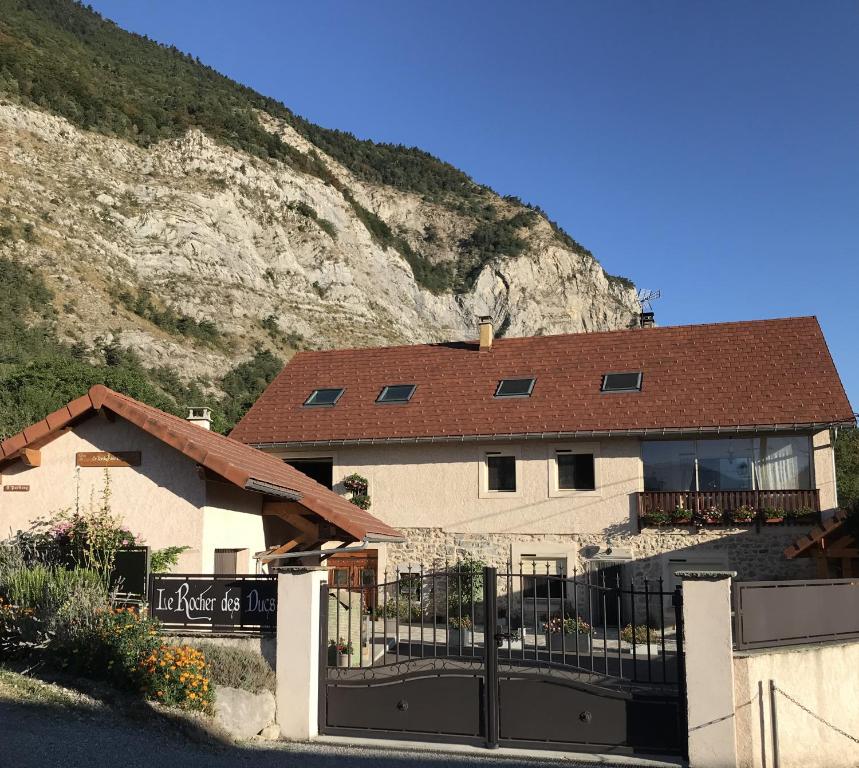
[[618, 629]]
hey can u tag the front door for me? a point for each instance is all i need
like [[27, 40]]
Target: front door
[[356, 570]]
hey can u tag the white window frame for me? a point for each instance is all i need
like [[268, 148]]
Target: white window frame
[[483, 491], [552, 463]]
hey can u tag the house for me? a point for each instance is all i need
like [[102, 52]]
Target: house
[[173, 482], [562, 452]]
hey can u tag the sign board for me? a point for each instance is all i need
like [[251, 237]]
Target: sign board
[[214, 603], [130, 573], [18, 488], [108, 459]]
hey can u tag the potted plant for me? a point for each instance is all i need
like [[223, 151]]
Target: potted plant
[[799, 516], [561, 634], [340, 653], [773, 515], [681, 515], [743, 514], [642, 635], [460, 633], [711, 515], [656, 517]]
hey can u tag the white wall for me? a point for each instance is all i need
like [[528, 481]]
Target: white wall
[[438, 486], [232, 519], [822, 678], [160, 501]]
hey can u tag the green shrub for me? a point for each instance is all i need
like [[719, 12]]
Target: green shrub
[[43, 607], [238, 668]]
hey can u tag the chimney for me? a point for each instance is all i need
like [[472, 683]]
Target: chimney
[[202, 417], [485, 326]]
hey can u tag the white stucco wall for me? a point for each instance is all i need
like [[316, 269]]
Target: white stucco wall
[[160, 501], [232, 519], [439, 486], [824, 472], [823, 679]]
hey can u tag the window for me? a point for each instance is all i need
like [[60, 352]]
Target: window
[[396, 393], [733, 464], [324, 396], [782, 463], [622, 382], [319, 469], [227, 561], [575, 471], [500, 473], [410, 586], [543, 576], [341, 577], [514, 388], [669, 465]]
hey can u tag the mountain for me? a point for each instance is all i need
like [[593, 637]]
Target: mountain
[[179, 223]]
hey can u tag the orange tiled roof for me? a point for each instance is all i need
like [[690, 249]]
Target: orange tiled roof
[[237, 463], [727, 375]]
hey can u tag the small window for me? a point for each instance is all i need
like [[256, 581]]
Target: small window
[[396, 393], [341, 577], [622, 382], [501, 473], [227, 561], [324, 396], [575, 471], [514, 388], [410, 586]]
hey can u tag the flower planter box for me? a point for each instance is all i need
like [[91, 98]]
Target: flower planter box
[[773, 520], [457, 636], [558, 642], [343, 660]]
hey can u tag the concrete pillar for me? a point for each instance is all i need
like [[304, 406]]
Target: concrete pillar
[[707, 640], [298, 591]]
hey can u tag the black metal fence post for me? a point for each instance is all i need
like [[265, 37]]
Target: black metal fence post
[[490, 648]]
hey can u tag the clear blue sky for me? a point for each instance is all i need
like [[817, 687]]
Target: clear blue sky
[[708, 149]]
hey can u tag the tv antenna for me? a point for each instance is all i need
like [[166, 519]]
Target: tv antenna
[[645, 297], [645, 302]]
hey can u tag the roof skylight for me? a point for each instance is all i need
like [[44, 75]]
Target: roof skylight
[[514, 388], [396, 393], [622, 382], [320, 397]]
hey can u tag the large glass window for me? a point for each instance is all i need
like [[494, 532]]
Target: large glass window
[[732, 464], [783, 463], [669, 465], [725, 465]]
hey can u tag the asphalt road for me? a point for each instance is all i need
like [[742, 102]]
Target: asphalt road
[[48, 735]]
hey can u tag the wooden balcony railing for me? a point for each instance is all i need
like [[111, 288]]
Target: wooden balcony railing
[[706, 506]]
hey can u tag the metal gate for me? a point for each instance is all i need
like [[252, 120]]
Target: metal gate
[[529, 659]]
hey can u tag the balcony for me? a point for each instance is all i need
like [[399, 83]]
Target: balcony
[[736, 508]]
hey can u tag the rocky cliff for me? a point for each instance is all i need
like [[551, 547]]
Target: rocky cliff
[[177, 213], [266, 254]]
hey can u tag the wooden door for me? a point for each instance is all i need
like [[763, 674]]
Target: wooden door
[[355, 570]]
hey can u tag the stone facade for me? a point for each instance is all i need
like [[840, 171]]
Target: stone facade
[[754, 555]]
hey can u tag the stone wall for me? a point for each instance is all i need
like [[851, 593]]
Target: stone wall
[[754, 555]]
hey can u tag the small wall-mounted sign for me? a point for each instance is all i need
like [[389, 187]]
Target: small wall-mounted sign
[[108, 459], [18, 488]]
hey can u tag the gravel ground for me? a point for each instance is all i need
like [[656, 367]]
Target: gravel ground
[[68, 735], [46, 726]]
